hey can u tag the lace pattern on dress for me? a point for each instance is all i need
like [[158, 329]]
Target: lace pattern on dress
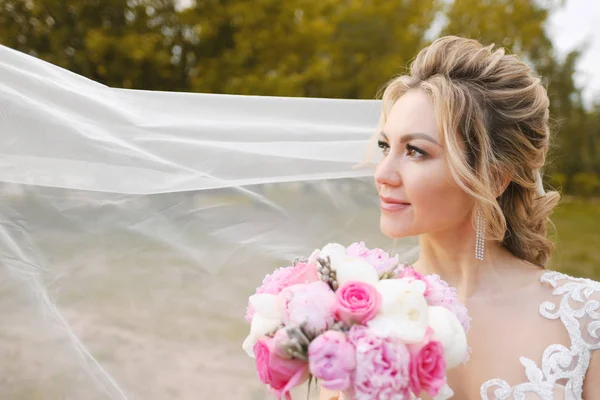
[[581, 317]]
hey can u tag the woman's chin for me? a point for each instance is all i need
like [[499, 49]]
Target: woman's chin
[[393, 230]]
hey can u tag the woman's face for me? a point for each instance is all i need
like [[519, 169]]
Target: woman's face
[[418, 193]]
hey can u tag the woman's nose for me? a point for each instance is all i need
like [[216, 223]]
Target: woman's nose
[[387, 172]]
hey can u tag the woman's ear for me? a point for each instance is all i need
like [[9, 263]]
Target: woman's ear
[[502, 183]]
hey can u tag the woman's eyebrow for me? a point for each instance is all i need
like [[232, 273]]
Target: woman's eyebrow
[[412, 136]]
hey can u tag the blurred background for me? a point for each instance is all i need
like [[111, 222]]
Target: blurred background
[[336, 49], [344, 49]]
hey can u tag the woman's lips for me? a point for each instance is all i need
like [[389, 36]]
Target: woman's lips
[[390, 204]]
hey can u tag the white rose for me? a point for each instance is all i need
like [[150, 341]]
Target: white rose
[[450, 333], [267, 317], [334, 251], [403, 313], [355, 269]]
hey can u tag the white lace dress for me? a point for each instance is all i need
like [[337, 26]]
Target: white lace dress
[[574, 303]]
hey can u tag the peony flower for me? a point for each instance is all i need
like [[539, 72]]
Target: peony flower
[[448, 331], [281, 339], [409, 273], [427, 367], [310, 303], [403, 313], [332, 360], [284, 277], [334, 251], [462, 313], [399, 269], [355, 269], [358, 250], [267, 318], [440, 294], [281, 374], [382, 366], [356, 302], [378, 258]]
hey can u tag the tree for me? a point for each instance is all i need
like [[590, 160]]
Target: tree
[[327, 48], [131, 45]]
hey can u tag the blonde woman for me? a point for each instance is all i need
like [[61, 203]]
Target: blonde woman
[[463, 138]]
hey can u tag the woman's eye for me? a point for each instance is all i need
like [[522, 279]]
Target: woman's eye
[[385, 148], [415, 152]]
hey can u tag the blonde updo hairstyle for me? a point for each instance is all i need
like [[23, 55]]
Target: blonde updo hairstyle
[[494, 104]]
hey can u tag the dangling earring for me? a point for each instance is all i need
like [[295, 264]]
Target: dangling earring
[[479, 234]]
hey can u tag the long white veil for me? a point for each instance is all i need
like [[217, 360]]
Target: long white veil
[[135, 224]]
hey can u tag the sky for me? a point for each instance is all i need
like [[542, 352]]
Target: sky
[[571, 26]]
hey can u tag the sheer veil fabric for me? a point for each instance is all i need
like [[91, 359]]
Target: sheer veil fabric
[[134, 224]]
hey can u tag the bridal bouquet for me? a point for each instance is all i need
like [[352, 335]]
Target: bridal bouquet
[[358, 321]]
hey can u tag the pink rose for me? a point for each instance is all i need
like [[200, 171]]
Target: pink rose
[[332, 360], [310, 304], [378, 258], [281, 374], [285, 277], [382, 366], [356, 302], [427, 367]]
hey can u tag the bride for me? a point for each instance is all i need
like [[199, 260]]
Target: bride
[[462, 138]]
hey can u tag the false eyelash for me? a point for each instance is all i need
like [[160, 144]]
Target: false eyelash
[[416, 149]]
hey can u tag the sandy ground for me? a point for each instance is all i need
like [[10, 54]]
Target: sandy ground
[[159, 351], [152, 294]]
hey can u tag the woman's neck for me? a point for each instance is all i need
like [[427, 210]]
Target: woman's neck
[[452, 257]]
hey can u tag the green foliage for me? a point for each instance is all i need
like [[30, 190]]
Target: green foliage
[[558, 181], [577, 238], [328, 48], [123, 45], [586, 184], [325, 48], [517, 25]]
